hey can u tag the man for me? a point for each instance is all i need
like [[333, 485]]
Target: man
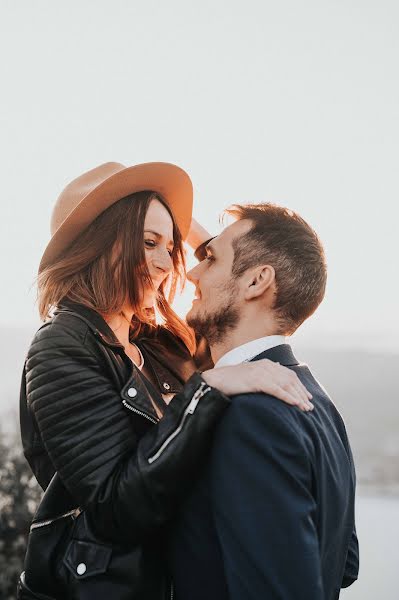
[[272, 514]]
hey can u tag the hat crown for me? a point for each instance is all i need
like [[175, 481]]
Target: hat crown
[[73, 194], [85, 198]]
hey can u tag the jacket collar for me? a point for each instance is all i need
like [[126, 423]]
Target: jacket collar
[[93, 320], [170, 368], [282, 354]]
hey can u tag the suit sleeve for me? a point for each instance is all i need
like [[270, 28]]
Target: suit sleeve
[[263, 506], [351, 570], [352, 562]]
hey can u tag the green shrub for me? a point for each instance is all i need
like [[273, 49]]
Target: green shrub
[[19, 497]]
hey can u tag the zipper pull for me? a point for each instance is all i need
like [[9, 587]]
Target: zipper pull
[[196, 398], [202, 390]]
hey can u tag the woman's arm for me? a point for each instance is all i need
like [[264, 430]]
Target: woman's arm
[[197, 235], [263, 376], [129, 487]]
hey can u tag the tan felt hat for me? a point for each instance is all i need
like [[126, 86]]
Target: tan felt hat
[[93, 192]]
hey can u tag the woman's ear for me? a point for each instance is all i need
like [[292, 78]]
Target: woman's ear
[[260, 280]]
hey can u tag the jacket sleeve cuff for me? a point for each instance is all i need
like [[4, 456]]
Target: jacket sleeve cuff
[[181, 441]]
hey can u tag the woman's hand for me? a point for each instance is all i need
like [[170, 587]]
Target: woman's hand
[[197, 235], [261, 376]]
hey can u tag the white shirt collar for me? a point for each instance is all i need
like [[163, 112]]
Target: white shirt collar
[[249, 350]]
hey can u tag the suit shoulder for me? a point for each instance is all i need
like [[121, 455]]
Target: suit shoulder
[[265, 404], [265, 412], [256, 426]]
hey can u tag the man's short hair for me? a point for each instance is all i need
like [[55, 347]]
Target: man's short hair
[[282, 239]]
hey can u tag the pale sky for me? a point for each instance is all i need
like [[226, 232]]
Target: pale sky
[[291, 102]]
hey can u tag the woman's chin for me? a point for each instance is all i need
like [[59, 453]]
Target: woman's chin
[[149, 302]]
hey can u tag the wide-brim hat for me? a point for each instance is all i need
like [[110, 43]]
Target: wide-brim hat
[[93, 192]]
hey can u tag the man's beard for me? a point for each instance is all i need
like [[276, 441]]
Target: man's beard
[[215, 326]]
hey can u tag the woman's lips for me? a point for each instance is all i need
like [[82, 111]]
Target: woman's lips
[[156, 282]]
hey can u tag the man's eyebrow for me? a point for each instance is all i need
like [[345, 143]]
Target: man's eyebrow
[[210, 247], [158, 235]]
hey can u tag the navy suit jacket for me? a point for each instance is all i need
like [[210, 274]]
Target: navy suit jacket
[[271, 516]]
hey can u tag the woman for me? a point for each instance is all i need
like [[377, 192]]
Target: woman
[[111, 430]]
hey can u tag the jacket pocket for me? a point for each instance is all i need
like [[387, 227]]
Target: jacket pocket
[[85, 559]]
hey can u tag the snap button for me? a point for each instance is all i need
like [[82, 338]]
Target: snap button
[[132, 392], [166, 386], [81, 569]]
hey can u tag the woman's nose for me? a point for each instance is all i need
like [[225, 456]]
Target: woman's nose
[[163, 262]]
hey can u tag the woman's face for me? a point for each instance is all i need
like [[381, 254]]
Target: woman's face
[[158, 247]]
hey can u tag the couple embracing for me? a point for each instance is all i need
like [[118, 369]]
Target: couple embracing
[[194, 459]]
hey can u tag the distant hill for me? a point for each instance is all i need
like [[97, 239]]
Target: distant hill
[[362, 384]]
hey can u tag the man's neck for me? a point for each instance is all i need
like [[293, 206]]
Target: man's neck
[[245, 332]]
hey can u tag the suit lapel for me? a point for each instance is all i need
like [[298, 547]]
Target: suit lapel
[[282, 354]]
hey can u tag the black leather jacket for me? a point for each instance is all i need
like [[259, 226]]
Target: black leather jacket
[[94, 443]]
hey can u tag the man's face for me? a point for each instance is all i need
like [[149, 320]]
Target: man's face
[[218, 298]]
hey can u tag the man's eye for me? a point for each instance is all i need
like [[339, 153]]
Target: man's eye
[[210, 258]]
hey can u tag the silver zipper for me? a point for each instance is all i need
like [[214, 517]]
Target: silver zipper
[[172, 592], [189, 411], [139, 412], [72, 513]]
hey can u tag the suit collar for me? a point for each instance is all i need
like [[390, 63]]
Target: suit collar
[[245, 352], [282, 354]]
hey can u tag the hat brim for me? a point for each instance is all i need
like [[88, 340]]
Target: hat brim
[[169, 180]]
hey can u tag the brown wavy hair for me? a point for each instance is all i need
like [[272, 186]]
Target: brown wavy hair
[[89, 273]]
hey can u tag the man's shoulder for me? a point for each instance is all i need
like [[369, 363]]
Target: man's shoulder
[[254, 401], [264, 406], [262, 414], [321, 396], [258, 431]]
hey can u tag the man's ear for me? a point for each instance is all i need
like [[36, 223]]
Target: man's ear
[[260, 280]]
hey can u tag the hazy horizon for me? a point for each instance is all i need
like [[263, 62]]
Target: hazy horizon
[[379, 343]]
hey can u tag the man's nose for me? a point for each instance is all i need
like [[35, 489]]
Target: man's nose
[[192, 275]]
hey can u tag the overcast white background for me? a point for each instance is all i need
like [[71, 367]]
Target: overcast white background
[[291, 102]]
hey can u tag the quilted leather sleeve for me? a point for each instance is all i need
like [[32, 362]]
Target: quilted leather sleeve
[[78, 411]]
